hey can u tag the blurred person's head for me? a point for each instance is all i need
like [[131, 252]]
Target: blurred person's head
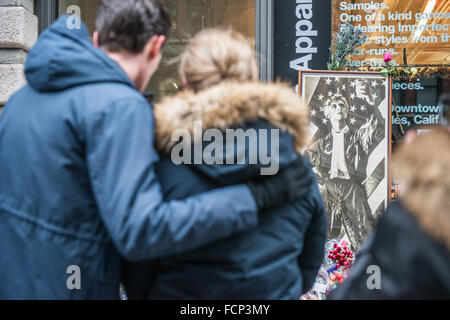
[[216, 55], [444, 105], [132, 32], [423, 171], [410, 136]]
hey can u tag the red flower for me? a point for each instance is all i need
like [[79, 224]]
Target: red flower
[[387, 56]]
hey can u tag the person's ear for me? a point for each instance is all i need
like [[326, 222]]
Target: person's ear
[[184, 82], [155, 44], [95, 39]]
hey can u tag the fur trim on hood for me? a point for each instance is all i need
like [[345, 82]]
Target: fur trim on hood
[[423, 170], [230, 104]]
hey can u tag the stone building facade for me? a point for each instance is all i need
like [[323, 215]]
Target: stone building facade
[[18, 33]]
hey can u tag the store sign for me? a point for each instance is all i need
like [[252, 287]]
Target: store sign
[[416, 33], [302, 37], [416, 103]]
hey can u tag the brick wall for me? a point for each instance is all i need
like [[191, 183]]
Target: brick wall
[[18, 33]]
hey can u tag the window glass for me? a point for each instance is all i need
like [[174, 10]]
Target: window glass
[[87, 8], [189, 17], [419, 29], [417, 34]]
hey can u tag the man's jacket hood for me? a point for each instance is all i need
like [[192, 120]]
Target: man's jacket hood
[[63, 58], [256, 108]]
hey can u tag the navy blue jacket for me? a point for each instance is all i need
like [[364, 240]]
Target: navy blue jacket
[[77, 179], [280, 258], [409, 261]]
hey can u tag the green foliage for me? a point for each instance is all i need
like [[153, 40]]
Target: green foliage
[[397, 72], [345, 43]]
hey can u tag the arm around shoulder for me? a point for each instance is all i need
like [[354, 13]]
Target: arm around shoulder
[[121, 162]]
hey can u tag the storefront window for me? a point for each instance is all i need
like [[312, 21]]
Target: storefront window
[[417, 30], [189, 17], [87, 10], [417, 35]]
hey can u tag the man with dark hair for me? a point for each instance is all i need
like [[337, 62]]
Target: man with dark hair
[[78, 187], [138, 22]]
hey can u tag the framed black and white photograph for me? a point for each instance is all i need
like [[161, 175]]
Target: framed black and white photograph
[[350, 116]]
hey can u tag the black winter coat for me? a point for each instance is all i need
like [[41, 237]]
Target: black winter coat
[[278, 259], [412, 265]]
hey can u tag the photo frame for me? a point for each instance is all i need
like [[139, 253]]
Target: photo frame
[[350, 147]]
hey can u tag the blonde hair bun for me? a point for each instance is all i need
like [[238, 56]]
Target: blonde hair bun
[[215, 55]]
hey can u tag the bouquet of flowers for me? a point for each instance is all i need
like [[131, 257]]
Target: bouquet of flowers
[[342, 258], [335, 269], [344, 44]]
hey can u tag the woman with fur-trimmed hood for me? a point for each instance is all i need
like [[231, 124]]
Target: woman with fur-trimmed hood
[[280, 258]]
